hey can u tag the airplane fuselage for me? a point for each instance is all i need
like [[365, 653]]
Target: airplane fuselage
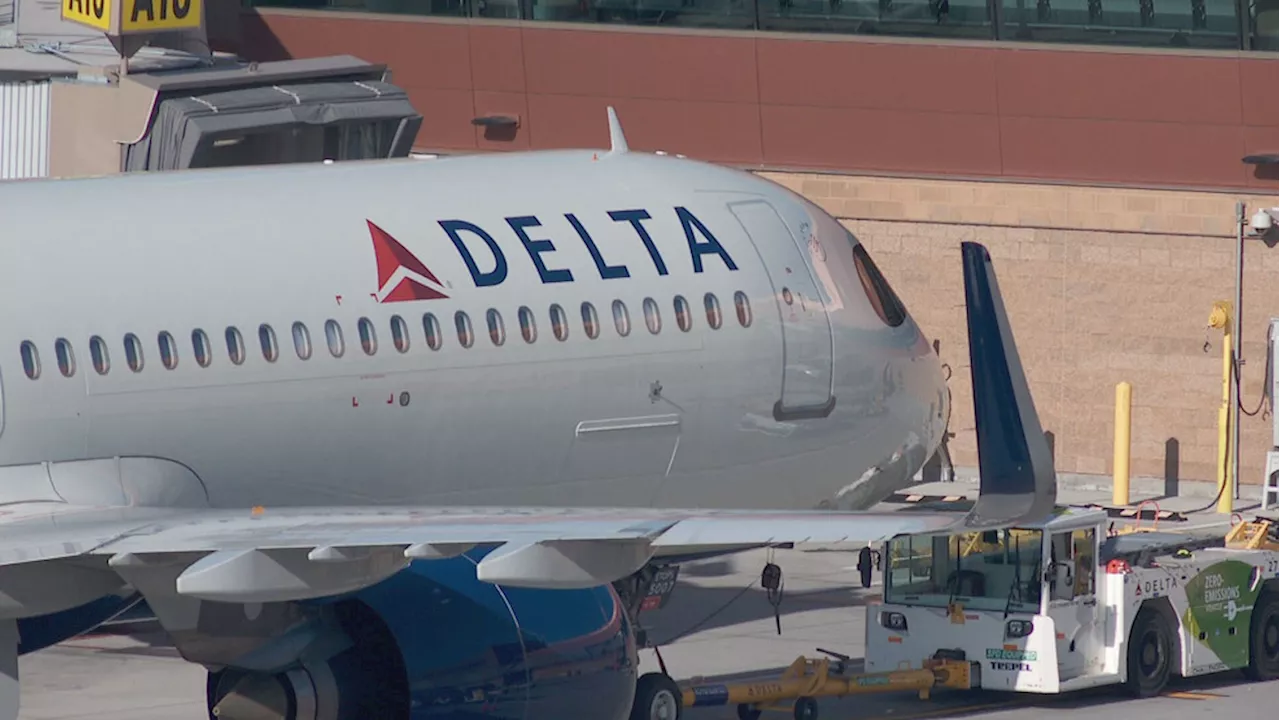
[[552, 329]]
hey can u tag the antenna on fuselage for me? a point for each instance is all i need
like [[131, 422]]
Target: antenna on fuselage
[[617, 141]]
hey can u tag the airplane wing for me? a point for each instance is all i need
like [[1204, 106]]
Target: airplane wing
[[276, 554]]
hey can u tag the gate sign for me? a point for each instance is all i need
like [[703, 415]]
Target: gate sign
[[94, 13], [133, 17]]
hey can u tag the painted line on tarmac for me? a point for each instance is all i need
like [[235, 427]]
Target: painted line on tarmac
[[937, 712], [1193, 695], [956, 710]]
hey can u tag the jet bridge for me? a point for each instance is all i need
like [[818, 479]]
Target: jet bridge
[[226, 114], [166, 115], [342, 109]]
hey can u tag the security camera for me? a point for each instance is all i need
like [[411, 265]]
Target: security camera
[[1261, 220]]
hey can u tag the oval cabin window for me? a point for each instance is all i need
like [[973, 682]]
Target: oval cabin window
[[368, 338], [590, 320], [168, 350], [528, 326], [743, 306], [235, 345], [684, 316], [399, 334], [462, 323], [333, 338], [99, 356], [559, 323], [431, 326], [267, 339], [301, 341], [133, 352], [652, 316], [497, 330], [200, 348], [30, 359], [712, 305], [621, 318]]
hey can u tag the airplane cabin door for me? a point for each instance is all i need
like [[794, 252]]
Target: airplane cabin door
[[806, 328]]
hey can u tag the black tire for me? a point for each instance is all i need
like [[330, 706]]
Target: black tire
[[657, 698], [1150, 656], [746, 712], [806, 709], [1262, 638]]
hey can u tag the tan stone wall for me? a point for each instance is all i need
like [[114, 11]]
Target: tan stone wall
[[1101, 285]]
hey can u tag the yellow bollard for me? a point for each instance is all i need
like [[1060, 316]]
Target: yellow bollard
[[1220, 319], [1120, 461]]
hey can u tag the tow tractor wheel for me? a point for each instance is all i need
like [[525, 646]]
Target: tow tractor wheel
[[746, 712], [806, 709], [1150, 654], [657, 698], [1262, 639]]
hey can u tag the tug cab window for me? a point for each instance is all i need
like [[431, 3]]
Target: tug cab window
[[1072, 558], [882, 298], [993, 570]]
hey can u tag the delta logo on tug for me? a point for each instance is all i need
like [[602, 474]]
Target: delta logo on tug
[[402, 277]]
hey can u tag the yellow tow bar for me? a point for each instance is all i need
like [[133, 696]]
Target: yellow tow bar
[[808, 679]]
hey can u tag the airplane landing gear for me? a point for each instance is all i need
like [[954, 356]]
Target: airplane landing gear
[[657, 698], [657, 695]]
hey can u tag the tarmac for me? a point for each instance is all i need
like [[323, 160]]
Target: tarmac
[[718, 626]]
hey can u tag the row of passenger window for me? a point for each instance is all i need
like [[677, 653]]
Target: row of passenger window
[[202, 347]]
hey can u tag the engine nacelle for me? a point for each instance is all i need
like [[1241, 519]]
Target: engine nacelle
[[41, 631], [434, 642]]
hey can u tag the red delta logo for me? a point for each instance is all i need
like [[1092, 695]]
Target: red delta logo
[[402, 277]]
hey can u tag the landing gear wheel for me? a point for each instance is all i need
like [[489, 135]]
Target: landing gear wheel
[[657, 698], [806, 709], [746, 712], [1262, 639], [1150, 654]]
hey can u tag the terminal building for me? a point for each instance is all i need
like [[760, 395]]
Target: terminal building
[[1098, 148]]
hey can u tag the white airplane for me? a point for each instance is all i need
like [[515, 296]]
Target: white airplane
[[403, 439]]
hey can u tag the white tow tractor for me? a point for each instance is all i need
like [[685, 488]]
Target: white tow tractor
[[1066, 605]]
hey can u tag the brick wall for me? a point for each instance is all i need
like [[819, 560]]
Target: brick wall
[[1102, 285]]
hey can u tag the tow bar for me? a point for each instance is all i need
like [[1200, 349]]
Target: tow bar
[[807, 679]]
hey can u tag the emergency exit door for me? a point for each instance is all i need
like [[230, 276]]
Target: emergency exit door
[[806, 329]]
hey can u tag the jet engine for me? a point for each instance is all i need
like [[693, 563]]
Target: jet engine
[[434, 642]]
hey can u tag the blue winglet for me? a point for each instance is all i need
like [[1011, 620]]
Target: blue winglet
[[1016, 474]]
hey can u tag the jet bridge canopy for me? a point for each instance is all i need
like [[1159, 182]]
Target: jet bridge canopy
[[279, 123]]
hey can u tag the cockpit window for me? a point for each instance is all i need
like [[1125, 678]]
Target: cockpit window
[[882, 298]]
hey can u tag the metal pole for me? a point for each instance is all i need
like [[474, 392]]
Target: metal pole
[[1236, 316]]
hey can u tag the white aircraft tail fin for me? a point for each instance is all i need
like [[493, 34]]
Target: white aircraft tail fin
[[617, 141]]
